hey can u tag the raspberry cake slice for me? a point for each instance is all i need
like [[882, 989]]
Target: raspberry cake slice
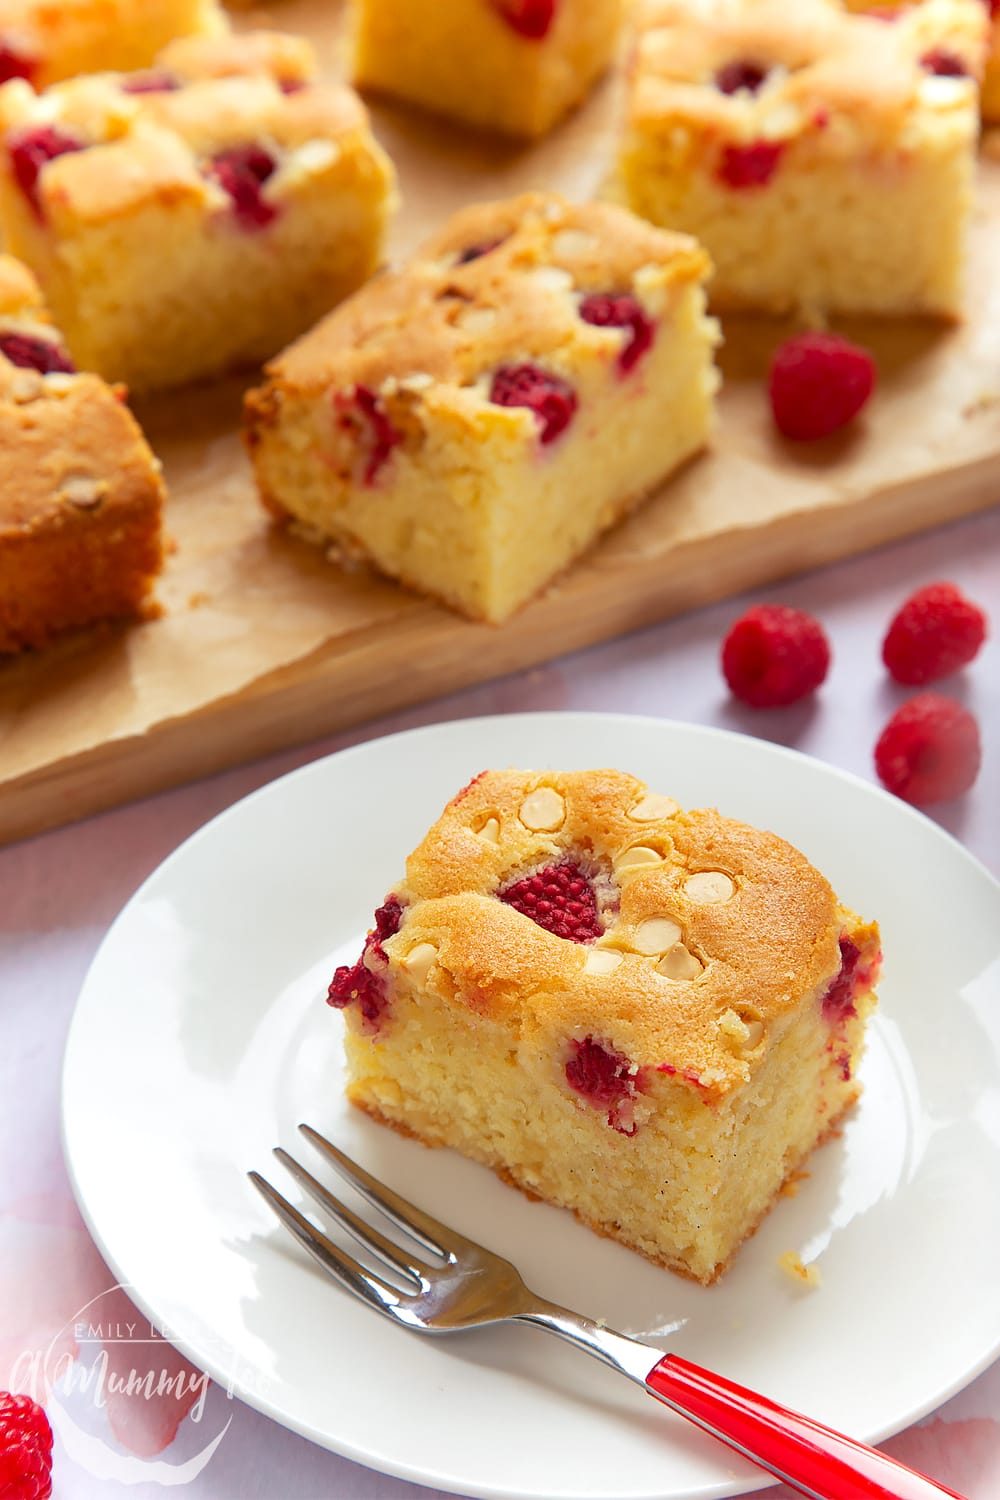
[[648, 1016], [824, 159], [514, 66], [80, 492], [195, 216], [471, 423], [47, 40]]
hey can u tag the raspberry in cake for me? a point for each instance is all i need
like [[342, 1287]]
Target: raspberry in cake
[[824, 159], [195, 216], [472, 422], [80, 492], [513, 66], [648, 1016], [48, 40]]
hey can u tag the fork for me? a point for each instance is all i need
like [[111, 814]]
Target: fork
[[470, 1287]]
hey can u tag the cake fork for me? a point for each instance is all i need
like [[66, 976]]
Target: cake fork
[[469, 1286]]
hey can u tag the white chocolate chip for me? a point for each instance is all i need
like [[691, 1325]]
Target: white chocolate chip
[[653, 807], [490, 831], [82, 491], [475, 320], [543, 810], [639, 857], [418, 961], [741, 1032], [679, 964], [570, 242], [418, 381], [601, 961], [656, 935], [26, 385], [941, 91], [708, 887], [551, 278]]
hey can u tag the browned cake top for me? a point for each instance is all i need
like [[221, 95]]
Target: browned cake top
[[782, 67], [71, 449], [499, 280], [685, 934], [109, 142]]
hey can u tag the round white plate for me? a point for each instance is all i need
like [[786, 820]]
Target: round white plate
[[201, 1039]]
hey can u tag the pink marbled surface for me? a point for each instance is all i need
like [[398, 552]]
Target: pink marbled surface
[[59, 893]]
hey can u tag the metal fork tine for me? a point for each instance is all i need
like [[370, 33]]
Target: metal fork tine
[[429, 1232], [371, 1238], [343, 1267]]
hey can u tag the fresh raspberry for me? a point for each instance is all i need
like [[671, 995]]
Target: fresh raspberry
[[388, 918], [753, 166], [561, 899], [936, 632], [357, 985], [14, 63], [25, 1449], [531, 19], [929, 751], [605, 310], [363, 983], [943, 63], [838, 1002], [552, 400], [241, 172], [606, 1079], [476, 252], [774, 656], [31, 150], [29, 353], [818, 383], [738, 77], [364, 411], [152, 81]]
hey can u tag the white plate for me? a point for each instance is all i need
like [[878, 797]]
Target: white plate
[[201, 1038]]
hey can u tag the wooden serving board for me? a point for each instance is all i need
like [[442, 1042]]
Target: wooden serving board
[[263, 644]]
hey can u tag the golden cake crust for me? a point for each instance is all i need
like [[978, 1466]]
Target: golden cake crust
[[825, 59], [449, 321], [150, 147], [745, 920]]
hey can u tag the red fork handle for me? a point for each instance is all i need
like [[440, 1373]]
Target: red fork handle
[[811, 1458]]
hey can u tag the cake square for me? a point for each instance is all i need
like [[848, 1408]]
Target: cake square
[[193, 217], [472, 422], [513, 66], [48, 40], [80, 491], [824, 159], [650, 1017]]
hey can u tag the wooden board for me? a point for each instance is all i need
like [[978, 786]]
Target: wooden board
[[264, 645]]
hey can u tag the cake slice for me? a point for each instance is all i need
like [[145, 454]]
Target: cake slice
[[513, 66], [472, 422], [47, 40], [648, 1016], [195, 216], [824, 159], [80, 492]]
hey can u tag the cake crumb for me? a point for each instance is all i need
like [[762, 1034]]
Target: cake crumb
[[790, 1187], [807, 1276]]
